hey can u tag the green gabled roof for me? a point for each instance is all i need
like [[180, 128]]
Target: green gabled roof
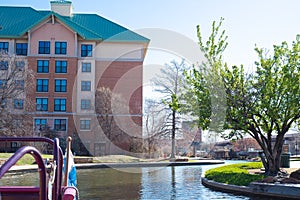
[[105, 29], [85, 33], [15, 21]]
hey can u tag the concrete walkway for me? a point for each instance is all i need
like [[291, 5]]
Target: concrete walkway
[[146, 164], [33, 168]]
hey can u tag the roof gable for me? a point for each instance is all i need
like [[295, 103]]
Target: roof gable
[[105, 29], [88, 26], [15, 21]]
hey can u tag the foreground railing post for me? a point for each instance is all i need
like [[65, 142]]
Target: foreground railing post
[[38, 159]]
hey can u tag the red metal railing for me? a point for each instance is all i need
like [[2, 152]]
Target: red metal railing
[[57, 157]]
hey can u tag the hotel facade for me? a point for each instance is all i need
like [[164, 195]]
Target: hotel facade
[[72, 56]]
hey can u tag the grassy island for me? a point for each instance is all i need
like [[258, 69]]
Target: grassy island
[[235, 174]]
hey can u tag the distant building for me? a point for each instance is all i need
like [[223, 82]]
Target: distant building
[[221, 150], [292, 143], [71, 56]]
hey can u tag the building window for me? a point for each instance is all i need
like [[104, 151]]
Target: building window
[[86, 50], [85, 104], [40, 124], [61, 48], [41, 104], [17, 123], [60, 85], [15, 144], [2, 83], [86, 67], [18, 104], [60, 124], [85, 85], [42, 85], [43, 66], [85, 124], [60, 105], [21, 49], [20, 84], [20, 65], [3, 65], [44, 47], [60, 66], [4, 46], [3, 103]]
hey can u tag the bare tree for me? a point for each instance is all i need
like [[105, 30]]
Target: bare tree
[[170, 84], [107, 106], [15, 82], [154, 125]]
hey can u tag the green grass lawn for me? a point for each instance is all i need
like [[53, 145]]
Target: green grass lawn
[[116, 159], [25, 160], [29, 160], [235, 174]]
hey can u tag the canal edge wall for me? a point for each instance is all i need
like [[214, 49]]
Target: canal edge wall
[[282, 191], [146, 164], [34, 168]]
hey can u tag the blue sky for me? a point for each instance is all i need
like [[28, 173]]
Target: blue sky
[[247, 22]]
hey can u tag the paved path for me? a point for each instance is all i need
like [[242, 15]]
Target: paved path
[[146, 164], [32, 168]]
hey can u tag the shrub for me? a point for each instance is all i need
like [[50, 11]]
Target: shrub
[[235, 174]]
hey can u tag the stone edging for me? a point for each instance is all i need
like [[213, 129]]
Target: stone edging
[[225, 187], [290, 191]]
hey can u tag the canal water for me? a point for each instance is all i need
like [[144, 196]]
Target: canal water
[[175, 183]]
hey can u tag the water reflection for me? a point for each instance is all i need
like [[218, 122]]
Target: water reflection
[[108, 184], [21, 179], [176, 183], [173, 183]]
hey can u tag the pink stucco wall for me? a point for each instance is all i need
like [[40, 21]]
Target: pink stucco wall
[[53, 32]]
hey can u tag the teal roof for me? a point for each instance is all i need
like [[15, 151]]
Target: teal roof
[[15, 21], [88, 26]]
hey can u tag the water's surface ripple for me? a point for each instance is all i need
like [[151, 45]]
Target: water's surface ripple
[[182, 182]]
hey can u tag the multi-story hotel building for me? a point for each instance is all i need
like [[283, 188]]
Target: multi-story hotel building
[[71, 56]]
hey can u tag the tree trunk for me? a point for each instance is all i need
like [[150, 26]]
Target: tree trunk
[[271, 165], [173, 134], [271, 160]]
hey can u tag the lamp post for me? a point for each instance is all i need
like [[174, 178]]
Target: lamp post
[[296, 147]]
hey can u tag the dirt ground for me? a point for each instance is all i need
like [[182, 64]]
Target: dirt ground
[[261, 171]]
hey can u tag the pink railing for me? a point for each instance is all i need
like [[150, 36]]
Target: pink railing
[[57, 157]]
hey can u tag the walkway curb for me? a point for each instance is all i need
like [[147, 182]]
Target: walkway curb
[[34, 168], [274, 191], [146, 164]]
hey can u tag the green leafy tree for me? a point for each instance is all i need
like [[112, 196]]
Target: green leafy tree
[[205, 92], [264, 104]]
